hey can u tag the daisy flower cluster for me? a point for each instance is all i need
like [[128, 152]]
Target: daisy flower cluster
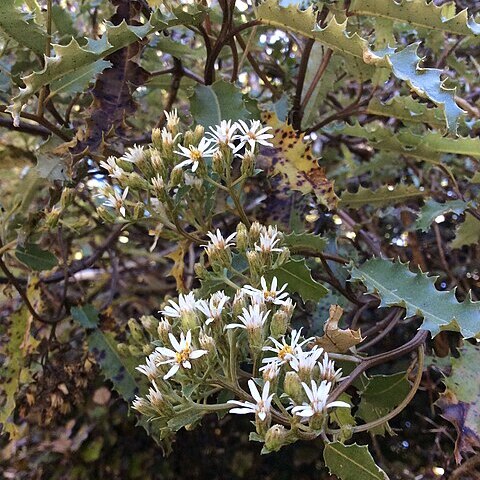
[[151, 181], [240, 339]]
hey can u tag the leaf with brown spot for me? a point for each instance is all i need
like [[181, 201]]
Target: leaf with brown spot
[[294, 160], [335, 339], [178, 269], [460, 403]]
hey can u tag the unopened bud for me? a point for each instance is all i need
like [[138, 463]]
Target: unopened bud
[[106, 215], [239, 303], [292, 386], [279, 324], [248, 164], [164, 328], [142, 406], [218, 163], [255, 263], [149, 323], [124, 165], [157, 137], [138, 210], [270, 374], [276, 437], [135, 181], [135, 351], [68, 195], [176, 177], [198, 134], [206, 342], [282, 258], [188, 321], [188, 138], [242, 237], [157, 162], [123, 349], [254, 232], [316, 421], [200, 270], [52, 217]]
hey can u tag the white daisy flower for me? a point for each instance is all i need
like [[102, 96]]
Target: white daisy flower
[[268, 240], [270, 371], [112, 168], [186, 304], [252, 319], [116, 200], [181, 356], [214, 308], [261, 407], [268, 294], [327, 370], [318, 396], [253, 135], [150, 369], [154, 396], [285, 352], [172, 119], [304, 362], [217, 242], [195, 154], [133, 154], [223, 134], [168, 139]]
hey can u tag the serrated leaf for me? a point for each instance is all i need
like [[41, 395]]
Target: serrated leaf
[[294, 161], [426, 82], [432, 209], [419, 13], [85, 315], [381, 197], [185, 417], [119, 370], [305, 241], [351, 462], [299, 278], [13, 24], [467, 232], [460, 403], [210, 104], [396, 285], [34, 257]]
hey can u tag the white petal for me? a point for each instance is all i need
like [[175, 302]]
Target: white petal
[[254, 391], [172, 371], [338, 403], [186, 364], [197, 354], [242, 411]]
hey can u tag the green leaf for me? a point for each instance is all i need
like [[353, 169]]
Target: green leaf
[[351, 462], [305, 241], [210, 104], [13, 24], [185, 417], [85, 315], [426, 82], [460, 403], [78, 80], [432, 209], [380, 198], [299, 278], [395, 284], [467, 232], [419, 13], [34, 257], [120, 370]]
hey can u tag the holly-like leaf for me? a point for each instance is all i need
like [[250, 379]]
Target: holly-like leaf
[[293, 159], [420, 14], [34, 257], [467, 232], [299, 278], [210, 104], [381, 197], [305, 242], [336, 339], [14, 25], [460, 403], [396, 285], [351, 462], [432, 209]]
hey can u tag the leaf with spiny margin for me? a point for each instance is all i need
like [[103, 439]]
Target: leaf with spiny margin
[[381, 197], [78, 80], [467, 232], [13, 24], [396, 285], [427, 147], [432, 209], [118, 369], [419, 13], [210, 104], [460, 402], [408, 110], [305, 241], [426, 82], [294, 160], [299, 278], [351, 462]]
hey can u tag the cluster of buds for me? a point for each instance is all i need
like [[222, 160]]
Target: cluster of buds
[[204, 342]]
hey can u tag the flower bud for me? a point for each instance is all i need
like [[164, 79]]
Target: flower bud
[[141, 405], [135, 351], [248, 164], [52, 217], [255, 263], [149, 323], [292, 386], [68, 195], [147, 349], [218, 163], [164, 328], [282, 258], [124, 165], [242, 237], [106, 215], [316, 421], [188, 321], [206, 342], [157, 137], [123, 349], [188, 138], [138, 210], [198, 134], [279, 324], [278, 436], [239, 303], [254, 232], [270, 374], [176, 177], [157, 162], [135, 181]]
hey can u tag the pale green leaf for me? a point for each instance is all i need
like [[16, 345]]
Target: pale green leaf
[[432, 209], [221, 101], [396, 285], [351, 462], [467, 232], [304, 241], [381, 197]]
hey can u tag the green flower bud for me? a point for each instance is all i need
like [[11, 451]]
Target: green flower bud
[[124, 165], [279, 324], [135, 181], [138, 210], [149, 323], [157, 162], [106, 215], [218, 163], [248, 164], [68, 195], [52, 217], [176, 177], [206, 342], [123, 349], [242, 237], [188, 139], [283, 257], [135, 351], [254, 233], [188, 321], [198, 134], [292, 386], [255, 263], [164, 328], [277, 436], [200, 271], [316, 421], [157, 137]]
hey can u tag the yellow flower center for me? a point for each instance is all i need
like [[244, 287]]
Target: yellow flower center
[[196, 155], [268, 295], [286, 350], [252, 135], [184, 355]]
